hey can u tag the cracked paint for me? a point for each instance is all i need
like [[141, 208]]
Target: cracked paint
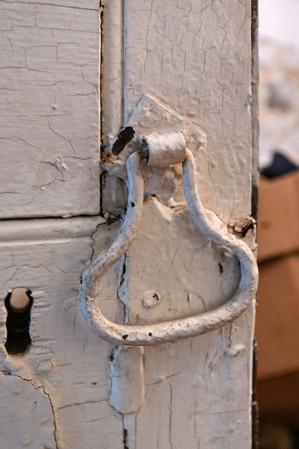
[[49, 106], [40, 429], [72, 402], [191, 56], [195, 56]]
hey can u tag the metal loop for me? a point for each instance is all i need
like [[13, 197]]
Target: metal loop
[[173, 330]]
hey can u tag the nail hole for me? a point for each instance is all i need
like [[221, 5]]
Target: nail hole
[[150, 334], [220, 266], [132, 204], [124, 137], [124, 337], [18, 303]]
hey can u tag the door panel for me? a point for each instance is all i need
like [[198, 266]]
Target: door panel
[[49, 123], [195, 58], [56, 394]]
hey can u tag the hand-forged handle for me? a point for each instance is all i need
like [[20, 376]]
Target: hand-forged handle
[[166, 331]]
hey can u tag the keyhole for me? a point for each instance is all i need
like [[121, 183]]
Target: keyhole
[[18, 303]]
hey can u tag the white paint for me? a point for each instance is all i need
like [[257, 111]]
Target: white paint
[[150, 299], [195, 56], [162, 149], [166, 331], [59, 390], [126, 370], [49, 125], [26, 415], [112, 69]]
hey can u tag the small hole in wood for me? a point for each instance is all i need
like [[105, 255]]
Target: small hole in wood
[[150, 334], [124, 337], [132, 204], [124, 137], [18, 303]]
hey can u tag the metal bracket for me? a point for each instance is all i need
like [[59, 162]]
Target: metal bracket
[[148, 116], [165, 148]]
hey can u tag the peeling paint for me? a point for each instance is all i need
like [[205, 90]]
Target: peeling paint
[[71, 393], [196, 57], [167, 330], [126, 370]]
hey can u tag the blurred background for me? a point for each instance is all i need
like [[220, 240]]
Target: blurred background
[[277, 327]]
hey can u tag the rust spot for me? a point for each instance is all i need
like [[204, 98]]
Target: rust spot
[[241, 229], [107, 158]]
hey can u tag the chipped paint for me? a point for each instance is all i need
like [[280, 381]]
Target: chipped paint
[[126, 370], [194, 56], [166, 331]]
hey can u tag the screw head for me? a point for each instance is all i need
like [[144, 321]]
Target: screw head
[[150, 299]]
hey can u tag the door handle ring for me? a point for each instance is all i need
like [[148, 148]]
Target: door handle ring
[[172, 330]]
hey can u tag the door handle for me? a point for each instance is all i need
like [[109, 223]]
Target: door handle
[[160, 150]]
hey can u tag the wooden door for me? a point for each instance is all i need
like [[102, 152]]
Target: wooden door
[[72, 74]]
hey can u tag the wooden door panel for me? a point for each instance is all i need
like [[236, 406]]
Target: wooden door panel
[[56, 394], [196, 58], [49, 121]]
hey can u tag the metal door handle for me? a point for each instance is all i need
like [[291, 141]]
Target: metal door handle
[[161, 152]]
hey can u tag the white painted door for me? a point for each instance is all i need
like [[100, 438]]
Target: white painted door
[[72, 74]]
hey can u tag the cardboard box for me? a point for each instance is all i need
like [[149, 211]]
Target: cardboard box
[[277, 318], [279, 398], [278, 223]]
